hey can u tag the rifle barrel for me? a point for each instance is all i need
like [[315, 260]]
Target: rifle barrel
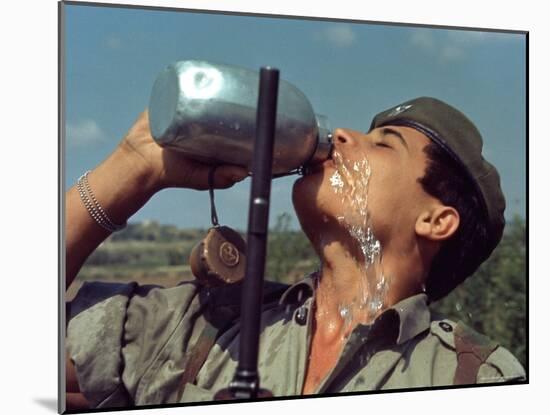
[[246, 375]]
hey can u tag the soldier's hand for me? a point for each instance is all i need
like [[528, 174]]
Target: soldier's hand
[[168, 168]]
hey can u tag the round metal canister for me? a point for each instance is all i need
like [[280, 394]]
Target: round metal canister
[[208, 112]]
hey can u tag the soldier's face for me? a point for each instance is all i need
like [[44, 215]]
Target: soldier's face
[[390, 159]]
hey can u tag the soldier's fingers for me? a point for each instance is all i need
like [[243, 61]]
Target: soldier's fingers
[[227, 175]]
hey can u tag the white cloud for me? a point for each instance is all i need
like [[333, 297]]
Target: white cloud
[[423, 39], [84, 132], [340, 35], [466, 37], [114, 42], [451, 53], [453, 46]]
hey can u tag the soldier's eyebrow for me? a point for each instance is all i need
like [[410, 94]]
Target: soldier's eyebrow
[[391, 131]]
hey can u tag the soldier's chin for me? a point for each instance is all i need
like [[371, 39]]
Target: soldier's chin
[[304, 192], [306, 206]]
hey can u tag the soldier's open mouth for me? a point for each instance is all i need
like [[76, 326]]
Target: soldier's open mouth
[[319, 167]]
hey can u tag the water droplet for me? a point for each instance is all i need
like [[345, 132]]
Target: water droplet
[[344, 312], [336, 182]]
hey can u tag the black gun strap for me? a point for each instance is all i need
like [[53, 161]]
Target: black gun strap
[[198, 354], [222, 311]]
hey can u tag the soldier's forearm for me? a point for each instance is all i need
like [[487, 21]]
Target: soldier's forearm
[[121, 186]]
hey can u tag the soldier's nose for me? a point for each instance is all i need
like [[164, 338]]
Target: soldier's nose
[[342, 137]]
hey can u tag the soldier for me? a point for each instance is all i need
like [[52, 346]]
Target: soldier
[[361, 323]]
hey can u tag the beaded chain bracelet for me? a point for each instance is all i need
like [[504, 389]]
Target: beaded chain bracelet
[[93, 207]]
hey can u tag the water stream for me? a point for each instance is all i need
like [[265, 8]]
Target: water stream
[[350, 181]]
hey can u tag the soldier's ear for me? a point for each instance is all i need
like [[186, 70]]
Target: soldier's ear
[[437, 223]]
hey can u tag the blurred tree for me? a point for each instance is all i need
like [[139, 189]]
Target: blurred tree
[[286, 250], [493, 301]]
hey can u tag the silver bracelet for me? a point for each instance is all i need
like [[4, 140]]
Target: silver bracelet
[[93, 207]]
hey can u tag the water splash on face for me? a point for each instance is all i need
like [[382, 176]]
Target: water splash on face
[[336, 181], [350, 181]]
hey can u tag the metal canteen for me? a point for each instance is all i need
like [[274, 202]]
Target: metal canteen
[[208, 111]]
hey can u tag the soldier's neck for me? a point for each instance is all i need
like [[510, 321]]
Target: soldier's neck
[[338, 289], [348, 293]]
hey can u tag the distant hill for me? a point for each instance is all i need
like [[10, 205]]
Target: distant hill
[[152, 253]]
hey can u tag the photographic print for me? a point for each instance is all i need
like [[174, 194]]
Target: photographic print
[[275, 207]]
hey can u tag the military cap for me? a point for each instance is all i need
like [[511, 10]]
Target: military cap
[[460, 139]]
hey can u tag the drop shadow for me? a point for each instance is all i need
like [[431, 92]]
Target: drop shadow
[[48, 403]]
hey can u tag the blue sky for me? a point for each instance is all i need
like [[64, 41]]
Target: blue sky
[[349, 71]]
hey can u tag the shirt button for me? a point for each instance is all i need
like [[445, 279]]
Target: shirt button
[[301, 316], [445, 326]]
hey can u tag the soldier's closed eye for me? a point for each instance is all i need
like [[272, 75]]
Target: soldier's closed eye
[[383, 144], [388, 132]]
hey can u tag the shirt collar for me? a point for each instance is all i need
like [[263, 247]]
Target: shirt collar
[[299, 291], [413, 314]]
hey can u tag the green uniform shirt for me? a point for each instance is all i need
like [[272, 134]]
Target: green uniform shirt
[[130, 345]]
